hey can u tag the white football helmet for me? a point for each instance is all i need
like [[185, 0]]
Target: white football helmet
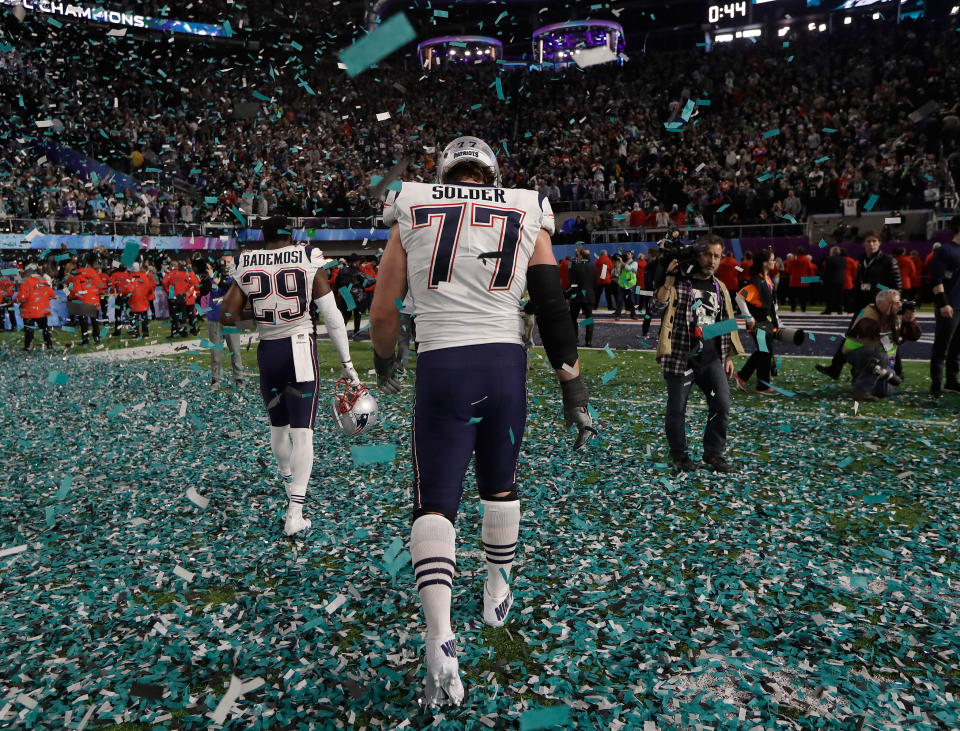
[[467, 148], [354, 408]]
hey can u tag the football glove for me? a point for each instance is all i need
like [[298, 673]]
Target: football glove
[[575, 400], [349, 372], [386, 368]]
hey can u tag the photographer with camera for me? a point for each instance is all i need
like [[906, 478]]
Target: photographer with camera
[[873, 341], [690, 298], [758, 303], [945, 278], [876, 271], [215, 282]]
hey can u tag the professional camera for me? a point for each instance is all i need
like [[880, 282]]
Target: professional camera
[[909, 306], [784, 334], [673, 248]]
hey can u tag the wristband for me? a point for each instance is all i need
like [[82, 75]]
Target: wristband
[[940, 299], [574, 393]]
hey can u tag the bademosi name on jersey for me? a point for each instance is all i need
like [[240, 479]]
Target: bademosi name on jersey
[[481, 194], [269, 258]]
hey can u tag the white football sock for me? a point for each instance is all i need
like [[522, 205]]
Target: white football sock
[[282, 447], [433, 545], [501, 527], [302, 463]]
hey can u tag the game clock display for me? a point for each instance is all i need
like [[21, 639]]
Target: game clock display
[[727, 11]]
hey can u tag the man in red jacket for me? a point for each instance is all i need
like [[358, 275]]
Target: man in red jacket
[[800, 266], [7, 290], [119, 288], [727, 272], [190, 298], [176, 283], [605, 285], [34, 298], [908, 275], [83, 298], [140, 286], [849, 282]]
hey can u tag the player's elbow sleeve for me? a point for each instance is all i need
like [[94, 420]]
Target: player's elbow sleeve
[[552, 313]]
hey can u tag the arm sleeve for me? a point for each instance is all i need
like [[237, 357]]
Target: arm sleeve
[[553, 315], [332, 318], [895, 273], [910, 330], [936, 269]]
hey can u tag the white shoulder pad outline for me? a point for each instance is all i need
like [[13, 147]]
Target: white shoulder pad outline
[[547, 220]]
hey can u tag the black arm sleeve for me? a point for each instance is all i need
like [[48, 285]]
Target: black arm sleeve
[[553, 314]]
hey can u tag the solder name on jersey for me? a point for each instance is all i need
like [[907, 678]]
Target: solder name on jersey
[[482, 194]]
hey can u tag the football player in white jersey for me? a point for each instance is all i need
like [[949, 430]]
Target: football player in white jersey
[[279, 283], [466, 249]]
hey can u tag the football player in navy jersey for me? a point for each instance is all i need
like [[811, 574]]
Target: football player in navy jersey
[[278, 283], [465, 250]]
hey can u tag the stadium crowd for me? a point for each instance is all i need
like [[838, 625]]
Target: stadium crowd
[[777, 131]]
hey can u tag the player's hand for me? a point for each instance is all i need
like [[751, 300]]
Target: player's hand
[[348, 371], [575, 413], [946, 311], [728, 368], [751, 324], [386, 368]]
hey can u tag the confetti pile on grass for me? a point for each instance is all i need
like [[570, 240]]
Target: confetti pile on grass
[[149, 579]]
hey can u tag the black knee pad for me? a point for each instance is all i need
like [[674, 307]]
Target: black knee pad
[[508, 498], [427, 510]]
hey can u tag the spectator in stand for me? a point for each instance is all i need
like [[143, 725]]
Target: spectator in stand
[[583, 294], [908, 275], [875, 271], [832, 276], [7, 289], [758, 302], [945, 278], [83, 298], [801, 266], [727, 271], [34, 297], [140, 288], [605, 285]]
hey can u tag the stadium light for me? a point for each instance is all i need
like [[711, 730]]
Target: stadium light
[[848, 20], [783, 31], [466, 53], [955, 9], [723, 37], [876, 16], [752, 33], [812, 26], [822, 27]]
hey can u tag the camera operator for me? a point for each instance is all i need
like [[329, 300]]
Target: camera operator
[[215, 281], [875, 271], [758, 302], [945, 278], [873, 340], [690, 299]]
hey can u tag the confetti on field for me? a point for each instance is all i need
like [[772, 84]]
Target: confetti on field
[[545, 718], [381, 42], [373, 454]]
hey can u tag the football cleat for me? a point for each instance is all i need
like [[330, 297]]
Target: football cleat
[[294, 524], [495, 611], [354, 408], [443, 686], [463, 149]]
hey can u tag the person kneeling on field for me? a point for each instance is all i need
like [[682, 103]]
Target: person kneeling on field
[[872, 343]]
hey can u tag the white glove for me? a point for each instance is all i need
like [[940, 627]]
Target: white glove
[[348, 371]]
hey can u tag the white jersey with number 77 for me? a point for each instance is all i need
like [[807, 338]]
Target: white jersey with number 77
[[467, 246]]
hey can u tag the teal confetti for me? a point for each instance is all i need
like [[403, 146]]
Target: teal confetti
[[373, 454], [771, 132], [609, 376], [845, 462], [512, 438], [609, 352], [475, 420], [586, 321], [720, 328], [823, 244], [722, 208], [544, 718], [57, 378], [809, 280], [384, 40], [131, 250], [871, 202]]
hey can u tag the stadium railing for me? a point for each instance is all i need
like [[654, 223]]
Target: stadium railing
[[755, 230]]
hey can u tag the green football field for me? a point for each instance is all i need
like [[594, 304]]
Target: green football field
[[818, 587]]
